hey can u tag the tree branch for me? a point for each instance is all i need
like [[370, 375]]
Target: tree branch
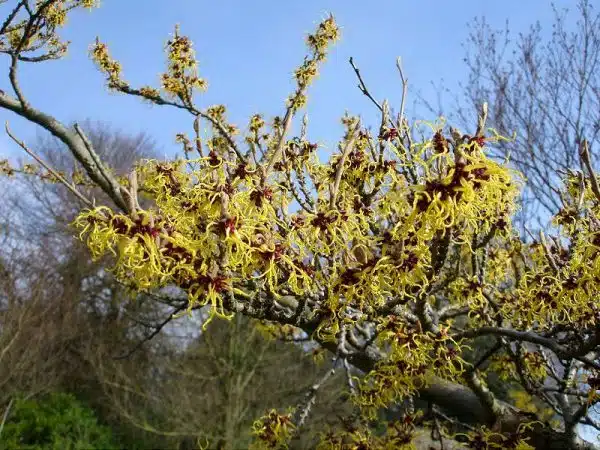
[[73, 141]]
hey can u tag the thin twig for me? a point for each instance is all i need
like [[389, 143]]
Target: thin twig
[[5, 416], [549, 255], [304, 411], [482, 119], [147, 338], [351, 383], [584, 154], [404, 87], [341, 161], [363, 87], [195, 112], [59, 177]]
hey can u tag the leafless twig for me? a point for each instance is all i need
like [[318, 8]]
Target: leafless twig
[[57, 175]]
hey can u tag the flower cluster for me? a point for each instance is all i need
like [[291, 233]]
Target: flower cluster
[[272, 431], [398, 435], [109, 66], [182, 78], [484, 438], [326, 34], [19, 35], [414, 355]]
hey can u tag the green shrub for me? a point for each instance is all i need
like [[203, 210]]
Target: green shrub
[[56, 421]]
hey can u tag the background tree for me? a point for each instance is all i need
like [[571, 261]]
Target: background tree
[[213, 389], [543, 87], [58, 304]]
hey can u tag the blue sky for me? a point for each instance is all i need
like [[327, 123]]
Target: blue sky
[[247, 52]]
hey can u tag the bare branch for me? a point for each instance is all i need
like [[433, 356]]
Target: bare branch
[[404, 89], [341, 162], [584, 154], [58, 176], [363, 87], [72, 141]]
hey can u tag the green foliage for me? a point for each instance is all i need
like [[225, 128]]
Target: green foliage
[[57, 421]]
